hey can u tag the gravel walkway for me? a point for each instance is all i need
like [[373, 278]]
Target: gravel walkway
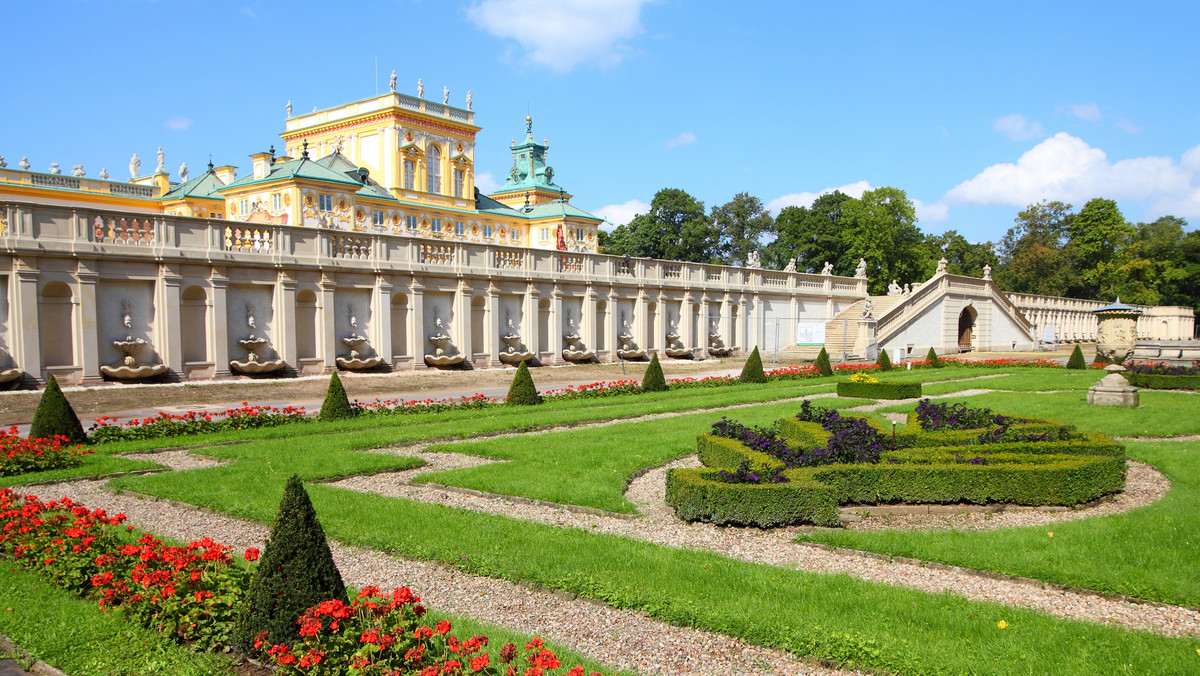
[[623, 639], [659, 525]]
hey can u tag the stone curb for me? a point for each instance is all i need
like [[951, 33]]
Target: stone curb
[[39, 668], [1016, 579]]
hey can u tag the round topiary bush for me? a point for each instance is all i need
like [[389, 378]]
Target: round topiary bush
[[336, 405], [54, 415], [296, 572], [752, 372], [654, 381], [884, 361], [823, 365], [522, 391], [933, 360], [1077, 362]]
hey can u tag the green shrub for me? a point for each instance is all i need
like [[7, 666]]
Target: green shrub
[[1163, 382], [752, 372], [522, 391], [884, 361], [823, 365], [1077, 362], [296, 572], [654, 381], [933, 359], [879, 390], [696, 496], [336, 405], [54, 415]]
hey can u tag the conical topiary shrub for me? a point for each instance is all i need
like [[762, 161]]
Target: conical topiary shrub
[[654, 381], [884, 361], [1077, 362], [933, 359], [54, 415], [823, 366], [523, 392], [752, 371], [336, 405], [296, 571]]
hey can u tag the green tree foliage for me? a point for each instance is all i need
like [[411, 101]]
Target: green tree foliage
[[522, 391], [962, 257], [812, 235], [296, 571], [653, 380], [933, 359], [881, 227], [336, 405], [741, 223], [1077, 362], [823, 365], [884, 361], [676, 228], [1098, 234], [1033, 253], [752, 372], [54, 415]]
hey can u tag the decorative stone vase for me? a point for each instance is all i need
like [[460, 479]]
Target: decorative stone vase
[[1116, 332]]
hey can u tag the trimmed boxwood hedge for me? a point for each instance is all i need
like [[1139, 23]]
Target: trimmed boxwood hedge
[[879, 390], [1161, 382], [1082, 468]]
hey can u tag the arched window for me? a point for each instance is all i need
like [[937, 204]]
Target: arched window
[[433, 169]]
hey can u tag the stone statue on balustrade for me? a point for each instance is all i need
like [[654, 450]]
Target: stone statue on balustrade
[[860, 272], [895, 289], [77, 170], [941, 267], [183, 172], [791, 266], [828, 269], [135, 166], [392, 81], [868, 311], [162, 161], [753, 261], [987, 272]]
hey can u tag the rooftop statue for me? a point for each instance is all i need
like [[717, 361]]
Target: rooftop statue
[[392, 81], [861, 271], [828, 269], [135, 166], [162, 160]]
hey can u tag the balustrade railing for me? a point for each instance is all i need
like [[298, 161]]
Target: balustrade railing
[[570, 263], [671, 271], [774, 280], [510, 260], [253, 241], [437, 254], [342, 246], [118, 230]]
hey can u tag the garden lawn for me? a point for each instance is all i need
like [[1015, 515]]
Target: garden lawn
[[591, 467], [76, 636], [1152, 552], [101, 462], [1024, 380], [866, 624]]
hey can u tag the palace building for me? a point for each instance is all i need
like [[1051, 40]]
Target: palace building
[[365, 245]]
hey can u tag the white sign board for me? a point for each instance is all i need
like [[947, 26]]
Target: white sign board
[[1048, 334], [810, 333]]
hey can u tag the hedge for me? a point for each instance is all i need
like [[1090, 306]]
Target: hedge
[[1079, 469], [1160, 382], [879, 390], [911, 433]]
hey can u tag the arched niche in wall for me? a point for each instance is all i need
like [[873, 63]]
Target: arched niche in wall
[[400, 347], [56, 325], [306, 324], [543, 325], [478, 325], [193, 317], [601, 323]]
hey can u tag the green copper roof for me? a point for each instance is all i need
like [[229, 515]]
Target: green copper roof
[[558, 208], [338, 162], [302, 168], [487, 205], [529, 170], [204, 186]]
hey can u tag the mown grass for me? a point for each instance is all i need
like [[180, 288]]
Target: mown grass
[[834, 616], [1025, 380], [101, 462], [77, 637], [590, 467]]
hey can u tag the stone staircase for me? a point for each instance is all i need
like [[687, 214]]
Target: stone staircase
[[847, 321]]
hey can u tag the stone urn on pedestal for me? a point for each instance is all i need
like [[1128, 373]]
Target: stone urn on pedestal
[[512, 352], [1116, 332]]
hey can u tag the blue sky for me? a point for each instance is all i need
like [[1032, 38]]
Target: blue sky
[[974, 109]]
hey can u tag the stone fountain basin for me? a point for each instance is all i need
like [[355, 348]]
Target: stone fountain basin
[[679, 352], [578, 355], [9, 375], [360, 363], [443, 359], [257, 367], [631, 353], [721, 351], [515, 357], [252, 343], [351, 341], [139, 372]]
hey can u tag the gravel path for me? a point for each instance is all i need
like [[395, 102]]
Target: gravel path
[[623, 639], [659, 525]]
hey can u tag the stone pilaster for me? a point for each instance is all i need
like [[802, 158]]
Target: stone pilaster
[[168, 339], [556, 325], [328, 322], [587, 324], [218, 322], [284, 339], [462, 321], [87, 342], [416, 323], [381, 318], [23, 334], [529, 320]]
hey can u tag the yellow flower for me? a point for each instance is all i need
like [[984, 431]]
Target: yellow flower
[[1002, 624], [1050, 534]]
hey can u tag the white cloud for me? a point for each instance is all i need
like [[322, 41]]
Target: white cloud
[[565, 33], [1017, 127], [1089, 112], [620, 214], [486, 182], [179, 123], [1126, 126], [937, 212], [1066, 168], [805, 199], [686, 138]]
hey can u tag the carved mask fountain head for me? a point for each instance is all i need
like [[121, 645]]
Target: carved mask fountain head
[[353, 319], [126, 314], [250, 316]]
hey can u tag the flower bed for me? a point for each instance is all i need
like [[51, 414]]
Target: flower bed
[[1159, 376], [19, 455], [194, 594], [194, 422], [1046, 464]]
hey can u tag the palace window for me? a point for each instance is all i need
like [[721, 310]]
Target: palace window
[[435, 225], [410, 222], [244, 207], [380, 218], [578, 234], [459, 179], [277, 202], [487, 230], [514, 234], [434, 169], [544, 234], [410, 175], [325, 202], [460, 228]]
